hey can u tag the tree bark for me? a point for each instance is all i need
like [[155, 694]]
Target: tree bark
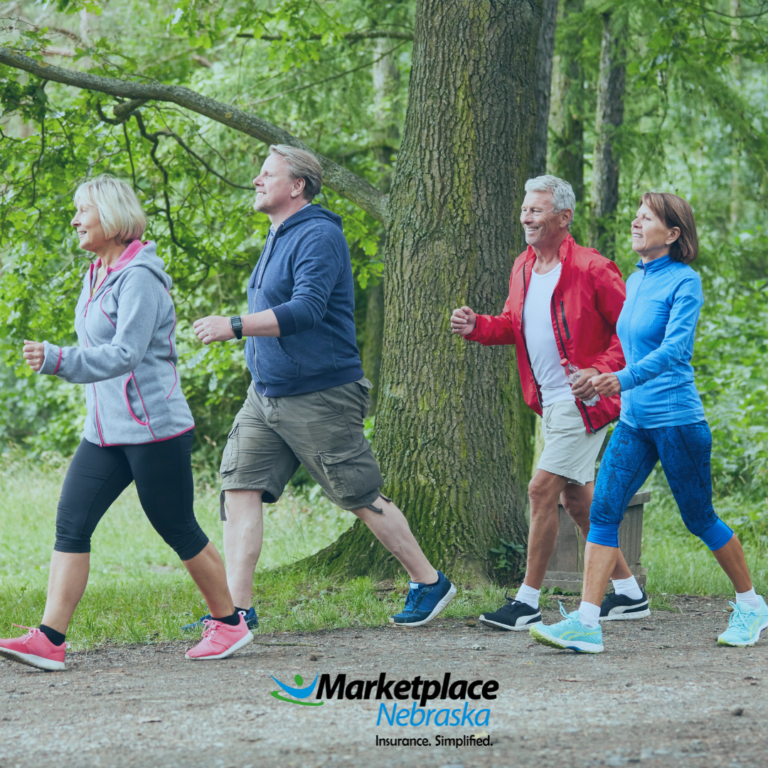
[[566, 116], [545, 49], [449, 436], [335, 177], [386, 82], [609, 119]]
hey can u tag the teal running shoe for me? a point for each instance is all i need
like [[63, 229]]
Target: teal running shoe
[[569, 634], [745, 624]]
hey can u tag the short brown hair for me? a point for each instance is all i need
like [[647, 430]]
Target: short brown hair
[[302, 165], [676, 212]]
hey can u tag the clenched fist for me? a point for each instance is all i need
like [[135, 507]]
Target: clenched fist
[[213, 328], [463, 321], [34, 353]]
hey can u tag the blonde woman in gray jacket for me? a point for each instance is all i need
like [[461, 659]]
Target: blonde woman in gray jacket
[[138, 429]]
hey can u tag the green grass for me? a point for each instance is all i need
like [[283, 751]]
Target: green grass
[[679, 563], [139, 592]]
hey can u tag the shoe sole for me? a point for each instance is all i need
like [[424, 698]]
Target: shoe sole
[[626, 616], [573, 645], [243, 641], [449, 595], [49, 665], [508, 627], [736, 645], [197, 627]]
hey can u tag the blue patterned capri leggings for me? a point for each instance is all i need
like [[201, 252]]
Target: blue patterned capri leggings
[[684, 452]]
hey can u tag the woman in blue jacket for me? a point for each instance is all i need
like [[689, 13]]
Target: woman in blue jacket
[[662, 419]]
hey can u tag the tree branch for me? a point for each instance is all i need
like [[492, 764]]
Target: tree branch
[[346, 72], [368, 34], [335, 177]]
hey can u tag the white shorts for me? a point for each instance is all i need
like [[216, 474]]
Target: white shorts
[[569, 450]]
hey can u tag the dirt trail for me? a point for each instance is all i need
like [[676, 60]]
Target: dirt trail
[[663, 694]]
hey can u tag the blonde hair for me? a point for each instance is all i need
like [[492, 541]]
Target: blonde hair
[[302, 165], [119, 209]]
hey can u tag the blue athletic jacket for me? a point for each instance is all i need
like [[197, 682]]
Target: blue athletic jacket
[[656, 328], [304, 275]]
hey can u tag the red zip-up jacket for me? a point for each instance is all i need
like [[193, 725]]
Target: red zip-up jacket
[[585, 306]]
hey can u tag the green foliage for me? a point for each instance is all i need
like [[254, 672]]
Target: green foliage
[[193, 176], [508, 557], [695, 115]]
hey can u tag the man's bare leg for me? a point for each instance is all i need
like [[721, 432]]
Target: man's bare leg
[[577, 500], [392, 530], [243, 536]]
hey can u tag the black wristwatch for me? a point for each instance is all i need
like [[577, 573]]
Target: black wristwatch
[[237, 326]]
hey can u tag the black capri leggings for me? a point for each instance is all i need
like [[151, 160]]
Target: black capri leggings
[[163, 475]]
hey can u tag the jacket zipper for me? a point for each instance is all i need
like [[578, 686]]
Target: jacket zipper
[[565, 325], [525, 343], [95, 395], [579, 404], [268, 256]]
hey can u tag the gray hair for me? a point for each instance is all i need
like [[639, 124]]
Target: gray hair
[[562, 192], [119, 209], [302, 165]]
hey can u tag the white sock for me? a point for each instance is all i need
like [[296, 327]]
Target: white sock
[[528, 595], [628, 587], [589, 614], [750, 598]]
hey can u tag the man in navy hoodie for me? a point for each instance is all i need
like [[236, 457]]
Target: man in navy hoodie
[[309, 397]]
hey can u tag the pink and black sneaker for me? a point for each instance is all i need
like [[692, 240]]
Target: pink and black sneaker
[[220, 640], [34, 649]]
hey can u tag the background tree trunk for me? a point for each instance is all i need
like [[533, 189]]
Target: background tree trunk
[[449, 434], [566, 115], [545, 50], [386, 81], [609, 119]]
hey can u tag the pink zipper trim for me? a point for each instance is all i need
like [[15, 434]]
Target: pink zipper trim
[[170, 355], [95, 396], [101, 307], [128, 404], [136, 383], [156, 440], [58, 362]]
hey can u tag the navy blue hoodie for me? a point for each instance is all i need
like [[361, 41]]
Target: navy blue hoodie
[[304, 275]]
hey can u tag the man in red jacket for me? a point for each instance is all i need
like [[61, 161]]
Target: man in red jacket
[[563, 304]]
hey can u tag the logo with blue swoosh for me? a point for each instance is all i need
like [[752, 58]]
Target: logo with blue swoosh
[[297, 693]]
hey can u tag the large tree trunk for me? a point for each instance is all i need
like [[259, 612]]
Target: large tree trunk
[[566, 114], [545, 50], [609, 119], [386, 81], [449, 436]]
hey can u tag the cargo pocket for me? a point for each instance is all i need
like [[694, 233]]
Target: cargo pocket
[[231, 452], [351, 470]]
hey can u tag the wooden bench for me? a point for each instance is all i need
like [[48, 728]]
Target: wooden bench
[[566, 566]]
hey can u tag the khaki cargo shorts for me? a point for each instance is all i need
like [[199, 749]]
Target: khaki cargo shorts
[[322, 430], [569, 450]]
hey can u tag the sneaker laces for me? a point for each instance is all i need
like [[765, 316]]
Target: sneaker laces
[[411, 600], [739, 619], [563, 612], [32, 632], [211, 625]]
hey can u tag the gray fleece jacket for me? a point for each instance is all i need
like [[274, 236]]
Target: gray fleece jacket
[[127, 354]]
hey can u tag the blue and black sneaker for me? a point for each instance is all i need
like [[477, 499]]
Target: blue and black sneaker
[[251, 619], [424, 602]]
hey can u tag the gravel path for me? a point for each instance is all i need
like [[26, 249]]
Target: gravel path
[[663, 694]]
